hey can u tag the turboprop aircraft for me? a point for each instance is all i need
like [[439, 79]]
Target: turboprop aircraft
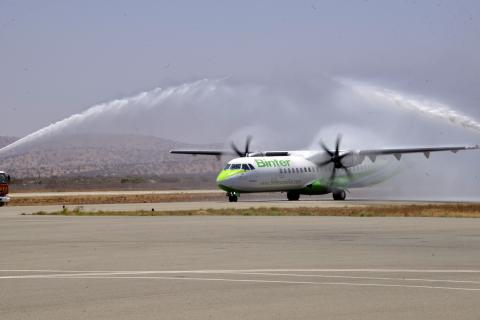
[[309, 172]]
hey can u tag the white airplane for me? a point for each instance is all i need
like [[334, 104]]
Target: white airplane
[[308, 172]]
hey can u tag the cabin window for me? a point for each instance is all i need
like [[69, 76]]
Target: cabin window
[[236, 166], [281, 170]]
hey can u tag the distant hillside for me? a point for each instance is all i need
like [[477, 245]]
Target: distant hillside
[[105, 155]]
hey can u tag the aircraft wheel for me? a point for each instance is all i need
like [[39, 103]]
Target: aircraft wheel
[[232, 198], [339, 195], [293, 196], [2, 204]]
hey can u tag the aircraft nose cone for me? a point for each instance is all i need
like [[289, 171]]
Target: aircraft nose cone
[[226, 179]]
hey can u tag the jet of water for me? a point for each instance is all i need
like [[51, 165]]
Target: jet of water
[[205, 110], [382, 96], [144, 100]]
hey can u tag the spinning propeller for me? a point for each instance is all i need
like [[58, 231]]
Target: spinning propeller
[[247, 148], [335, 158]]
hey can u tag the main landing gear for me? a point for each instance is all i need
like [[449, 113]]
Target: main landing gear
[[293, 195], [232, 197], [339, 195]]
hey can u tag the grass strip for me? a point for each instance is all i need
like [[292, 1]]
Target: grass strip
[[109, 199], [427, 210]]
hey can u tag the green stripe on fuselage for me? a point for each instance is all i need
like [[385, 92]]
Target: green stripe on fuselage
[[227, 174]]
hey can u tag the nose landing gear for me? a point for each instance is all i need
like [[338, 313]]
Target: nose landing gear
[[232, 197]]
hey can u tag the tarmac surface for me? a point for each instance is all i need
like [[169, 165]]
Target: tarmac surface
[[55, 267], [110, 193]]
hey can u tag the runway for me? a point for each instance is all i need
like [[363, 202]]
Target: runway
[[110, 193], [55, 267]]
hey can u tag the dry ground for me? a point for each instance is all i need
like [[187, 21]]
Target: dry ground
[[451, 210]]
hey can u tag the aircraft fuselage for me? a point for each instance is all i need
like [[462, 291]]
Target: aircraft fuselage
[[268, 174]]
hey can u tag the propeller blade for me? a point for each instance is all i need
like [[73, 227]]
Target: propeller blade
[[335, 159], [337, 145], [324, 163], [247, 145], [325, 148], [349, 174], [238, 152], [332, 176], [344, 155]]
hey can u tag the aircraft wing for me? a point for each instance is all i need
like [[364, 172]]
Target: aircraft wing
[[219, 153], [398, 152], [371, 153], [216, 153]]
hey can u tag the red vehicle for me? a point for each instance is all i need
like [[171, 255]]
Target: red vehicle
[[4, 181]]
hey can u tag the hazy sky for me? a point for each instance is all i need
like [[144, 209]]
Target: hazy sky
[[61, 57]]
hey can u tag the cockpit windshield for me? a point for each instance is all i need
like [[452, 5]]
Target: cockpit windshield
[[239, 166]]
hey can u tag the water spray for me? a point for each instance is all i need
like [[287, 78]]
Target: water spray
[[192, 105], [381, 96], [145, 100]]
